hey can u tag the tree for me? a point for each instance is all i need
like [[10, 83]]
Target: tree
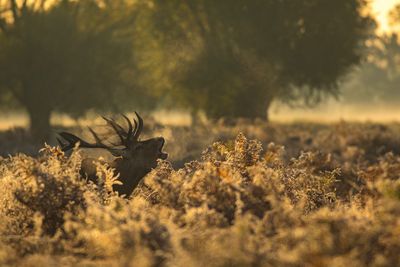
[[236, 57], [64, 55], [379, 76], [377, 79]]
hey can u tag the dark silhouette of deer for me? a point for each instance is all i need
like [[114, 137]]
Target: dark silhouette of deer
[[134, 158]]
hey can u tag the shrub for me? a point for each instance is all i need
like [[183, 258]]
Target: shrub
[[237, 205]]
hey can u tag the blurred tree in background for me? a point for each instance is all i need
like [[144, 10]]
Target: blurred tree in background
[[235, 57], [68, 56], [227, 58], [377, 79]]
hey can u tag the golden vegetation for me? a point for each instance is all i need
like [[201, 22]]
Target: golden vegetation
[[336, 204]]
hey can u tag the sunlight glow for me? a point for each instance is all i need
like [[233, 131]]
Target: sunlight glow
[[381, 9]]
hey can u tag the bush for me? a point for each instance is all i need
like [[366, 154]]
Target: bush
[[236, 206]]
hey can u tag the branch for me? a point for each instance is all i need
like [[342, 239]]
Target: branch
[[3, 26], [3, 15], [14, 9], [24, 4], [42, 4]]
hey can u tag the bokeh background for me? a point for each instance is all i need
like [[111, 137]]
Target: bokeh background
[[62, 63]]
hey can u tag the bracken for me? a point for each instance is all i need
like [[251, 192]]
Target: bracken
[[237, 205]]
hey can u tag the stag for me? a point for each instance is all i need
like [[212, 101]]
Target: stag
[[133, 158]]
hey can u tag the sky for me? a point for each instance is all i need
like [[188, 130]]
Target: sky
[[381, 9]]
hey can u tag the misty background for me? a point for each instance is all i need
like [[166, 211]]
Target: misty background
[[185, 61]]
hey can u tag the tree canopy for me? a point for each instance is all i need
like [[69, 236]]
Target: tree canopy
[[227, 58], [237, 56], [377, 79], [69, 56]]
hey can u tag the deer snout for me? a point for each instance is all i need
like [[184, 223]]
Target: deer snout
[[161, 142]]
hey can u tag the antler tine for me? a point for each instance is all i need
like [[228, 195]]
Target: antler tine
[[73, 139], [139, 127], [130, 128], [134, 129], [115, 125], [64, 146], [61, 143], [98, 144], [118, 130]]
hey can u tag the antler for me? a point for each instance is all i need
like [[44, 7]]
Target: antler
[[130, 137], [73, 139], [138, 127], [127, 138]]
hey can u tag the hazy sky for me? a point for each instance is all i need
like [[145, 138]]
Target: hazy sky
[[381, 9]]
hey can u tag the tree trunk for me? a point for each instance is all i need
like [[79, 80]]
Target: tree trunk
[[194, 115], [267, 107], [252, 104], [39, 118], [266, 118]]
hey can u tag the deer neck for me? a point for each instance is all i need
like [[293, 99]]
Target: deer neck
[[130, 174]]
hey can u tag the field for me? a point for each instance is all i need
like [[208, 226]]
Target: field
[[231, 194]]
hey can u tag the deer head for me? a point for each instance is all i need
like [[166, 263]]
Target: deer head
[[134, 158]]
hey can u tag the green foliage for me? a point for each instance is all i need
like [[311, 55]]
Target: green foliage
[[236, 57], [68, 57], [228, 59]]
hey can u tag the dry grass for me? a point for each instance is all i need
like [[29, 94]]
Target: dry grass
[[321, 195]]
